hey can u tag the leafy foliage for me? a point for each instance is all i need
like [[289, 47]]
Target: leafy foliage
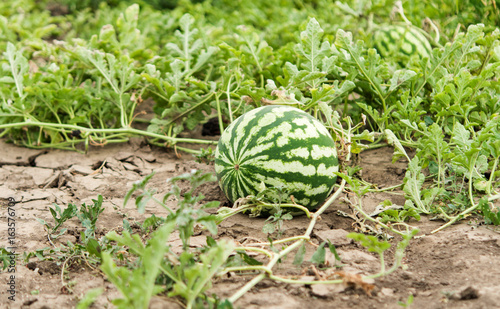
[[189, 274], [85, 74], [137, 295]]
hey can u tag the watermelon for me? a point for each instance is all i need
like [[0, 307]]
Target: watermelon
[[393, 39], [277, 147]]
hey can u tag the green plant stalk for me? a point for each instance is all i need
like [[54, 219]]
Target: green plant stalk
[[246, 268], [376, 145], [132, 108], [280, 241], [189, 110], [444, 213], [388, 189], [172, 276], [229, 107], [49, 106], [234, 211], [252, 49], [221, 218], [421, 207], [490, 181], [307, 282], [471, 198], [259, 250], [125, 130], [188, 150], [119, 92], [219, 114], [184, 149], [69, 145], [494, 197], [259, 66], [397, 262], [377, 90], [359, 208], [382, 263], [200, 285], [346, 107], [123, 113], [162, 204]]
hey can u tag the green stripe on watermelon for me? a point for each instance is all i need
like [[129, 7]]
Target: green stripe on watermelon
[[282, 147], [392, 39]]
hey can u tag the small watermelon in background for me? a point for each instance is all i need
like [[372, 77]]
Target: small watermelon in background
[[282, 147], [390, 40]]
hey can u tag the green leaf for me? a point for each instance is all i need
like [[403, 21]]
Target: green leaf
[[137, 286], [434, 72], [225, 304], [62, 216], [199, 275], [318, 256], [209, 224], [369, 67], [248, 259], [334, 251], [93, 247], [399, 150], [347, 9], [140, 185], [18, 67], [268, 228], [311, 47], [89, 298], [474, 33], [413, 181], [373, 113], [490, 217], [203, 58], [126, 226], [400, 77], [370, 242], [461, 137], [299, 256]]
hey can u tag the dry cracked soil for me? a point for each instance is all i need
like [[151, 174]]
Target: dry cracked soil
[[458, 267]]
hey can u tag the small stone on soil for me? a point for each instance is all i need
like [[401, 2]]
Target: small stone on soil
[[326, 290], [338, 237], [386, 292], [82, 169]]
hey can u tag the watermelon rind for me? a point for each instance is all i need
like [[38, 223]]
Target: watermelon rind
[[406, 40], [278, 147]]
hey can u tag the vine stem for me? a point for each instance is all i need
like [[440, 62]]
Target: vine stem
[[359, 208], [294, 281], [219, 114], [492, 175], [88, 131], [468, 210], [232, 212], [267, 270], [258, 250], [281, 241]]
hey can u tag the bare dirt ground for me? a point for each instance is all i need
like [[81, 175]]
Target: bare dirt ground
[[455, 268]]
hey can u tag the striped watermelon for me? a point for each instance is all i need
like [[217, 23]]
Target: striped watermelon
[[282, 147], [390, 40]]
